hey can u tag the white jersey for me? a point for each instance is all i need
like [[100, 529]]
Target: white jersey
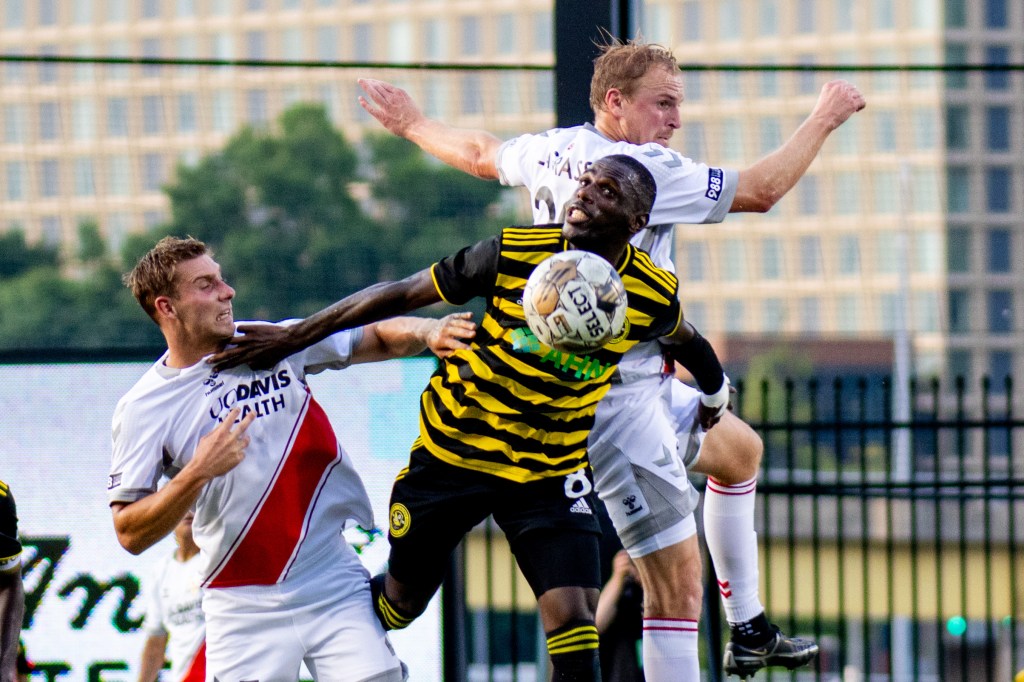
[[550, 164], [278, 514], [174, 607]]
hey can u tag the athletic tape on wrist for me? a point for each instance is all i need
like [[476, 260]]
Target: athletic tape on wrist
[[719, 398]]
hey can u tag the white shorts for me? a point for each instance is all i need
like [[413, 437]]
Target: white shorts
[[640, 446], [264, 632]]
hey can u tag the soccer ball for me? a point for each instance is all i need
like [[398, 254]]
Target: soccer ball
[[575, 301]]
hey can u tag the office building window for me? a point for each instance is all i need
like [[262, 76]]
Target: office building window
[[999, 307], [435, 39], [888, 312], [735, 316], [658, 24], [958, 127], [734, 260], [472, 97], [956, 54], [883, 14], [847, 193], [805, 16], [401, 41], [997, 14], [924, 14], [768, 17], [887, 253], [694, 140], [49, 121], [49, 178], [152, 114], [848, 313], [810, 256], [149, 9], [806, 81], [151, 49], [959, 311], [729, 19], [257, 107], [119, 175], [771, 134], [15, 172], [958, 250], [83, 119], [255, 5], [956, 13], [51, 229], [960, 365], [152, 172], [927, 252], [886, 191], [885, 131], [808, 195], [16, 123], [543, 37], [997, 125], [291, 43], [1000, 367], [49, 12], [997, 80], [693, 85], [848, 257], [509, 98], [362, 42], [925, 126], [696, 258], [843, 15], [810, 315], [14, 13], [256, 44], [958, 189], [769, 81], [733, 144], [924, 187], [505, 28], [771, 258], [185, 8], [187, 113], [223, 111], [327, 43], [998, 189], [691, 16], [697, 313], [999, 250], [926, 311], [85, 181], [773, 315]]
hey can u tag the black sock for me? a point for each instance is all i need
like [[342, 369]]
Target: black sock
[[573, 651], [752, 633]]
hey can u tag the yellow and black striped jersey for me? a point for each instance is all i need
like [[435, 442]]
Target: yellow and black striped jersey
[[511, 406], [10, 546]]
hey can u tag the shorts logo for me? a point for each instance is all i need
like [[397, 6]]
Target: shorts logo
[[113, 480], [399, 520], [630, 503], [580, 506], [577, 485], [714, 184]]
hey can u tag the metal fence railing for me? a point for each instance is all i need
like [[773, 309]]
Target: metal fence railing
[[896, 544]]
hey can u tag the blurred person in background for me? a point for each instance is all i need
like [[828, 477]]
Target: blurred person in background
[[12, 591], [620, 614]]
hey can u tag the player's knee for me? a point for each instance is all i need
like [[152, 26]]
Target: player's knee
[[573, 651], [678, 596]]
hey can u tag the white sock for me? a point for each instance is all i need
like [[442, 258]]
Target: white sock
[[732, 542], [670, 650]]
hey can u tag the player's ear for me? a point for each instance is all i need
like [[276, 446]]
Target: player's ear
[[164, 306], [639, 222], [613, 100]]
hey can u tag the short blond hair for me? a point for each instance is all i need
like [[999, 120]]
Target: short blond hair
[[621, 65], [154, 274]]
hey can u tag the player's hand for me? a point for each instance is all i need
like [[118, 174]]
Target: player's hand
[[222, 449], [391, 105], [449, 334], [838, 101], [261, 346]]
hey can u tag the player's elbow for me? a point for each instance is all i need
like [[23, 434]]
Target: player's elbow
[[132, 543], [760, 201]]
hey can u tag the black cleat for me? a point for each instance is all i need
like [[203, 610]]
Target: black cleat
[[788, 652]]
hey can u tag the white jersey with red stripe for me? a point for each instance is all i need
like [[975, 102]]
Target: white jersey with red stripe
[[280, 512], [174, 607], [550, 164]]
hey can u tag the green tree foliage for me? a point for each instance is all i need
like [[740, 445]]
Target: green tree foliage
[[278, 208]]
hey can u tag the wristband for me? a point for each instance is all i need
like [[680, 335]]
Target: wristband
[[719, 399]]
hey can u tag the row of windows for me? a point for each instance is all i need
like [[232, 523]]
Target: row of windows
[[115, 226], [804, 314], [767, 257], [989, 189], [995, 131], [996, 247], [188, 112], [694, 21], [84, 176], [395, 40], [998, 365], [959, 54]]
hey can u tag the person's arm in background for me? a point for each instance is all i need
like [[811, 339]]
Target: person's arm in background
[[12, 609], [152, 660], [471, 151], [766, 181], [608, 601]]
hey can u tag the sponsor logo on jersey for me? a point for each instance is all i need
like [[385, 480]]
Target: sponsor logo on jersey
[[256, 396], [715, 177], [578, 367], [213, 382], [113, 480], [399, 520], [630, 503], [580, 506]]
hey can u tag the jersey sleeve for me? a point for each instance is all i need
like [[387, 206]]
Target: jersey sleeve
[[688, 192], [469, 273], [137, 461], [10, 546], [509, 161]]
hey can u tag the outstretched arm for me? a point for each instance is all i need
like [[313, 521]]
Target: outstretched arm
[[262, 345], [768, 180], [471, 151], [401, 337]]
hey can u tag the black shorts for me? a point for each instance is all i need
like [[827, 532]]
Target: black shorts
[[551, 524]]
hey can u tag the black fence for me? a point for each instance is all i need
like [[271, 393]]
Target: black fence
[[890, 523]]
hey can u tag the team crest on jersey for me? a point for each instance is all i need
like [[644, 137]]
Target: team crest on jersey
[[622, 335], [399, 520]]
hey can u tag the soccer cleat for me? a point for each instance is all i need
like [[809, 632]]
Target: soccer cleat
[[789, 652]]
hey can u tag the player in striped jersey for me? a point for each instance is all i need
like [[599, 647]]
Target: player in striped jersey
[[504, 422], [12, 591]]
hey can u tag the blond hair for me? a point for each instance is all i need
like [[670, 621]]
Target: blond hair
[[621, 65], [154, 274]]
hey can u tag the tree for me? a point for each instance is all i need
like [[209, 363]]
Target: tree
[[17, 257]]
